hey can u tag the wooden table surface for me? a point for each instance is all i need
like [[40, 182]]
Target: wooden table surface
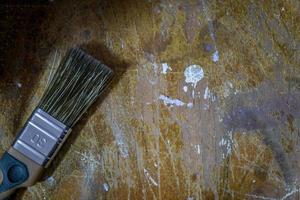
[[205, 103]]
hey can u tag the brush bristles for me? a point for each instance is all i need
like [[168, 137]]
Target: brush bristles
[[75, 85]]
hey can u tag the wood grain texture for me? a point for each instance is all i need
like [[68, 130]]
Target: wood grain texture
[[161, 131]]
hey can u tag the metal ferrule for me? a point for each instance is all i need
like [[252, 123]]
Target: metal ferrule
[[41, 137]]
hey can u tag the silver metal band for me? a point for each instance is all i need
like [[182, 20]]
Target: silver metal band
[[41, 137]]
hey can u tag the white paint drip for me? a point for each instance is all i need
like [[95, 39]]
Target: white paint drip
[[215, 56], [165, 68], [150, 178], [185, 88], [171, 102], [193, 74]]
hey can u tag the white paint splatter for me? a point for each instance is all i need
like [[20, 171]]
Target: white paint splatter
[[208, 94], [215, 56], [220, 118], [228, 89], [149, 177], [152, 72], [226, 144], [171, 102], [193, 74], [88, 157], [89, 164], [19, 85], [51, 181], [122, 44], [185, 88], [290, 193], [155, 66], [259, 197], [198, 148], [205, 106], [165, 68], [168, 101], [105, 187], [190, 105]]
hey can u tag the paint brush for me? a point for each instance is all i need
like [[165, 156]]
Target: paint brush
[[77, 82]]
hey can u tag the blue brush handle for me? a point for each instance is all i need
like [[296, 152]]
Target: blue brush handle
[[14, 173]]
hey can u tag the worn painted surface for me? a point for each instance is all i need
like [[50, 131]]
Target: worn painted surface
[[205, 104]]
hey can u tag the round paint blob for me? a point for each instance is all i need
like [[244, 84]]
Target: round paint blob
[[193, 74]]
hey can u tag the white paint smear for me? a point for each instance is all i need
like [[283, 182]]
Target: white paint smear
[[209, 95], [149, 177], [171, 102], [193, 74], [120, 140], [185, 88], [168, 101], [215, 56], [165, 68]]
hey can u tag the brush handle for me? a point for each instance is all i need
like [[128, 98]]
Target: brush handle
[[12, 174], [16, 171]]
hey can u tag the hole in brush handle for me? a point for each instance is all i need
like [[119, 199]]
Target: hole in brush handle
[[13, 171]]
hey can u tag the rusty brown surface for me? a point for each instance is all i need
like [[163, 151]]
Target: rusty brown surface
[[233, 134]]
